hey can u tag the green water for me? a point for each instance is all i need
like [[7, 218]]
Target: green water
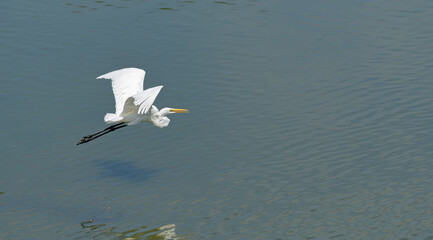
[[308, 120]]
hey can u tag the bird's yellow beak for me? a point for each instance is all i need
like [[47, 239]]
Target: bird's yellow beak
[[177, 110]]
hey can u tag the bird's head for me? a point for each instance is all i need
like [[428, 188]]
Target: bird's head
[[161, 120], [166, 111]]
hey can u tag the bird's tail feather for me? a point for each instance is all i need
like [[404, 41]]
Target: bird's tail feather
[[112, 118]]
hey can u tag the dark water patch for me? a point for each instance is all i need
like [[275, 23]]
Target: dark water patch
[[167, 9], [124, 170]]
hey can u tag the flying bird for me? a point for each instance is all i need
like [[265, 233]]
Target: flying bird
[[133, 104]]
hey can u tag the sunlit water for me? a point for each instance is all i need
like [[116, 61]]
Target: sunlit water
[[308, 120]]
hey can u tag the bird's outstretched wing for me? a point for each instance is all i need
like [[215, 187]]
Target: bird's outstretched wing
[[126, 83], [141, 102], [146, 98]]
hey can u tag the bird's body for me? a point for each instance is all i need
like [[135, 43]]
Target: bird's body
[[133, 104], [133, 117]]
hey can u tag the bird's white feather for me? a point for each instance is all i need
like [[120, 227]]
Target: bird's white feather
[[112, 118], [146, 98], [126, 83]]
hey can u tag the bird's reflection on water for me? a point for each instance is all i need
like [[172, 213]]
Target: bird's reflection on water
[[102, 231], [124, 170]]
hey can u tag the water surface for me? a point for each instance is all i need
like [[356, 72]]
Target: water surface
[[308, 120]]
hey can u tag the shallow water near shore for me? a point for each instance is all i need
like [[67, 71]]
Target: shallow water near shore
[[308, 120]]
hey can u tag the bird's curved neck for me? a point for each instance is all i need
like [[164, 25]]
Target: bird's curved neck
[[158, 118], [164, 111]]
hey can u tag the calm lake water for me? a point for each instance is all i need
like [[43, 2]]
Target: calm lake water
[[308, 120]]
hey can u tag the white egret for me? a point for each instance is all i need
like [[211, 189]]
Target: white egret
[[133, 104]]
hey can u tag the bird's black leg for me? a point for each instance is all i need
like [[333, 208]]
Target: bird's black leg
[[90, 137], [108, 128], [114, 127]]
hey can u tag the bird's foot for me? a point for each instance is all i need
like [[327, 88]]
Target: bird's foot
[[85, 139]]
